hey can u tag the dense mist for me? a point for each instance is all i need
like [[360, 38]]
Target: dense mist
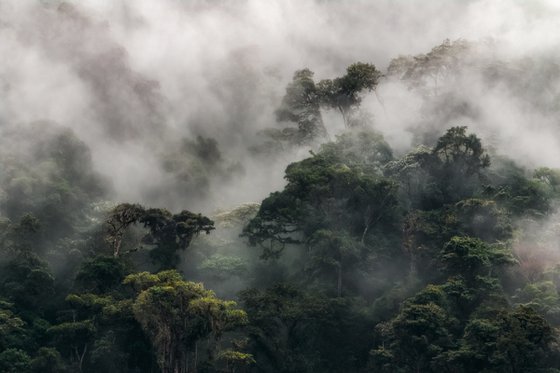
[[136, 81]]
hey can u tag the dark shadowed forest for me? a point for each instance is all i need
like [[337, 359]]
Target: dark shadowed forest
[[295, 187]]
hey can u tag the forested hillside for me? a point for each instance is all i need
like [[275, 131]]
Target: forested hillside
[[397, 214]]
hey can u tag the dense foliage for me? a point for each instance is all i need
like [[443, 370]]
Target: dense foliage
[[366, 261]]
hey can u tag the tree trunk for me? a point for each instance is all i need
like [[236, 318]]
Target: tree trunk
[[344, 116], [339, 284], [80, 357], [117, 248], [195, 355], [364, 233]]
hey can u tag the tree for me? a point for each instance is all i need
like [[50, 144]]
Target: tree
[[334, 250], [291, 330], [278, 320], [416, 335], [470, 257], [176, 314], [518, 340], [427, 72], [100, 274], [364, 148], [236, 361], [122, 216], [343, 178], [116, 340], [343, 93], [14, 361], [167, 233], [523, 196], [452, 170], [303, 99], [10, 324], [300, 105], [53, 182], [464, 153], [27, 281], [412, 172], [48, 360], [523, 339], [460, 161], [171, 233], [74, 338], [223, 267]]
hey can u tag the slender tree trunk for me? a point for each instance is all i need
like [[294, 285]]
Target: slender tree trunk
[[344, 116], [117, 248], [339, 284], [364, 233], [195, 355], [81, 356]]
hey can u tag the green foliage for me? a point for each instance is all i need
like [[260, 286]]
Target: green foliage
[[122, 216], [238, 216], [343, 93], [333, 181], [9, 323], [100, 274], [73, 333], [171, 233], [459, 162], [27, 281], [14, 361], [235, 359], [73, 339], [543, 297], [48, 360], [462, 151], [167, 233], [176, 314], [365, 149], [426, 72], [518, 340], [549, 176], [223, 267], [470, 257], [435, 260], [300, 105], [451, 171], [291, 330], [303, 99], [54, 182]]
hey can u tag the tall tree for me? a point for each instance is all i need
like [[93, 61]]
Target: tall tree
[[300, 105], [167, 233], [176, 314], [343, 93]]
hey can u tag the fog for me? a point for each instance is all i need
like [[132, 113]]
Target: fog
[[139, 81]]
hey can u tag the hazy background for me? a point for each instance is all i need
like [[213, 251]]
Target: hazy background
[[139, 81]]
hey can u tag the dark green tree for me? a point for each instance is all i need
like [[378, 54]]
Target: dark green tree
[[343, 93], [470, 257], [14, 361], [167, 233], [47, 360], [300, 105], [177, 314]]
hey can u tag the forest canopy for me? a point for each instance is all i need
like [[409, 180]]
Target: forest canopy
[[364, 261], [265, 221]]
